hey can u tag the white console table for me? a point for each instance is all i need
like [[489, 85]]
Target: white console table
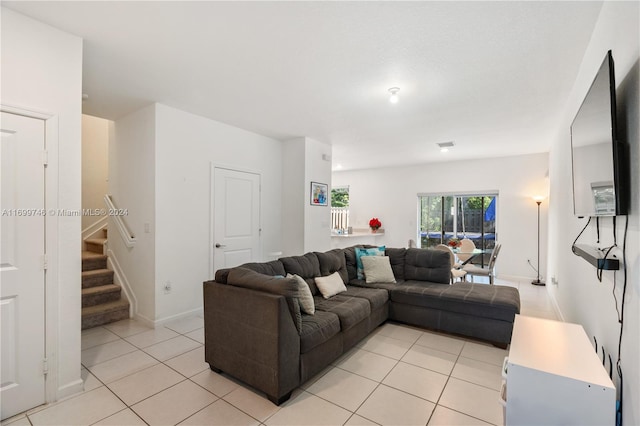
[[554, 377], [358, 236]]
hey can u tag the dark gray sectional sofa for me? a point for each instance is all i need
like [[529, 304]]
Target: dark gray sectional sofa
[[256, 332]]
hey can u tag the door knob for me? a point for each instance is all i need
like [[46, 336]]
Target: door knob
[[218, 245]]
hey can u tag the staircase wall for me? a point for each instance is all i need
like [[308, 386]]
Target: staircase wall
[[95, 166], [160, 169], [132, 185]]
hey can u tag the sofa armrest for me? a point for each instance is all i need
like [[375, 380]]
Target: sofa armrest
[[251, 335]]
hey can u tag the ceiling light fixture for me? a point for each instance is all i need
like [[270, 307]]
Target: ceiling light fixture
[[444, 146], [394, 95]]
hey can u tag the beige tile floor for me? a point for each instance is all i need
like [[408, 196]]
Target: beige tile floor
[[399, 375]]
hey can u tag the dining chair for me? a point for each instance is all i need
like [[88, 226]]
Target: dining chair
[[456, 272], [489, 271], [465, 250]]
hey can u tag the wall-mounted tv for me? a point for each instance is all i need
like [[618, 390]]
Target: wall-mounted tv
[[598, 157]]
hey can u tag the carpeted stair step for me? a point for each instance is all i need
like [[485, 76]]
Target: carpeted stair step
[[97, 278], [95, 245], [105, 313], [101, 294], [91, 261]]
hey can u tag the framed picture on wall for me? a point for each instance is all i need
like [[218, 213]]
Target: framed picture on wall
[[319, 194]]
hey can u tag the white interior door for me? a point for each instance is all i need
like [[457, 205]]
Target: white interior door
[[22, 274], [236, 216]]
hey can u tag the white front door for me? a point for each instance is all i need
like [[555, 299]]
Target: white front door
[[22, 273], [236, 216]]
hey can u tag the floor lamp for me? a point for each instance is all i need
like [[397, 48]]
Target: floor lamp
[[537, 281]]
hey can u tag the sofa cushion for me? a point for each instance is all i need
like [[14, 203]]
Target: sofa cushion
[[287, 287], [362, 252], [384, 286], [427, 265], [377, 297], [377, 269], [306, 266], [221, 275], [274, 267], [396, 258], [305, 298], [350, 310], [479, 300], [333, 261], [317, 329], [350, 259]]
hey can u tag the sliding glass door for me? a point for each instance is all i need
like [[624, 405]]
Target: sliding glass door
[[443, 217]]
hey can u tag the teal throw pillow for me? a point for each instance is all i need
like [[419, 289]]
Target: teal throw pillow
[[375, 251]]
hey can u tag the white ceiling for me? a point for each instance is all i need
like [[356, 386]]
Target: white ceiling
[[491, 76]]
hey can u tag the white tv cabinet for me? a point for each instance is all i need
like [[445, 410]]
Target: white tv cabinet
[[554, 377]]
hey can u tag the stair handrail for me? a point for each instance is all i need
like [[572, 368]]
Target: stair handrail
[[127, 236]]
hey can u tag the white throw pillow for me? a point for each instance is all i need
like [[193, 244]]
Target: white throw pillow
[[330, 285], [305, 298], [377, 269]]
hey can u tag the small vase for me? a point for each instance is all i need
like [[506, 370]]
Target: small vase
[[374, 230]]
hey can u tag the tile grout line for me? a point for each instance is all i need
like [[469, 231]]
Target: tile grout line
[[130, 407], [397, 361], [332, 366]]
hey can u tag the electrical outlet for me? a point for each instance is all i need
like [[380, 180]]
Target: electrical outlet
[[167, 287]]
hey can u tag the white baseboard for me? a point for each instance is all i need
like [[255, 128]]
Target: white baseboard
[[146, 321], [191, 313], [121, 279], [70, 389], [556, 307], [162, 321], [518, 278]]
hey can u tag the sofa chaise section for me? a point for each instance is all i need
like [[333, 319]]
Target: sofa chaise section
[[481, 311]]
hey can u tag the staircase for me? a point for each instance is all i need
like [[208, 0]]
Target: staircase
[[102, 301]]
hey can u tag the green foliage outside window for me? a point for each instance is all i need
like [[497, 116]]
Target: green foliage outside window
[[475, 203], [340, 197]]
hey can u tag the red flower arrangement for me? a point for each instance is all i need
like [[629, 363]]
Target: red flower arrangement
[[454, 242], [375, 223]]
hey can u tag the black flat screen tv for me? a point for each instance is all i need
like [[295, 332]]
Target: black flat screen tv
[[597, 156]]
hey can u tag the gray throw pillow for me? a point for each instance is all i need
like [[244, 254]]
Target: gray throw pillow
[[305, 298]]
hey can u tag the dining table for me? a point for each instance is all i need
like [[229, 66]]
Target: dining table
[[474, 254]]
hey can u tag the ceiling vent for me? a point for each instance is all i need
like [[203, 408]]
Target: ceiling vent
[[444, 146]]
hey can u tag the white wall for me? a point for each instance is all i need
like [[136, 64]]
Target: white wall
[[581, 297], [42, 71], [95, 166], [186, 146], [306, 227], [294, 196], [390, 194], [132, 185], [317, 219]]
